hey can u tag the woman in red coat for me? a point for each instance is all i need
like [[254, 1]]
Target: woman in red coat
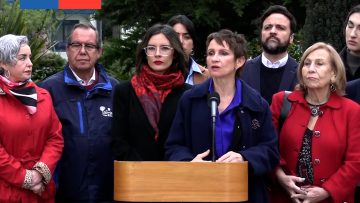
[[30, 132], [319, 141]]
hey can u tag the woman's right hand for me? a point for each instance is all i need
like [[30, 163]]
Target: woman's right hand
[[36, 177], [288, 182], [38, 188], [36, 181], [201, 156]]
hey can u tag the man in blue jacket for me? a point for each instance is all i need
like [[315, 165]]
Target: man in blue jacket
[[274, 70], [82, 96]]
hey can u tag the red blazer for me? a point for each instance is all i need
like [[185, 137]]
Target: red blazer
[[335, 144], [25, 140]]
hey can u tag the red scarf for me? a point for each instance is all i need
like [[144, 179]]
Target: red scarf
[[152, 88]]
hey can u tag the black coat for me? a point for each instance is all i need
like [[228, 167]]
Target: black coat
[[353, 90], [349, 76], [132, 134]]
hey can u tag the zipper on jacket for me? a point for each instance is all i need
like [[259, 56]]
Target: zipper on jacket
[[81, 120]]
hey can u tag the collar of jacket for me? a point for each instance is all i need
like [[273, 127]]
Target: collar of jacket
[[334, 101], [104, 81], [250, 98]]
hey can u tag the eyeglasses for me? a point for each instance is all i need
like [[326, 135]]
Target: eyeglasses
[[88, 47], [164, 50]]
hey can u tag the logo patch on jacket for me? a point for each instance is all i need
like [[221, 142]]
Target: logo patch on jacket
[[255, 124], [106, 111]]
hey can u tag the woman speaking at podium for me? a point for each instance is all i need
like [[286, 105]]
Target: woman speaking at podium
[[243, 127]]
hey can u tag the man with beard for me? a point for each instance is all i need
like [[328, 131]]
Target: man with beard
[[274, 70]]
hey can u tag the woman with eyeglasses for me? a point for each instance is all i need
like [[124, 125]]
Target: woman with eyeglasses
[[185, 29], [31, 141], [144, 107]]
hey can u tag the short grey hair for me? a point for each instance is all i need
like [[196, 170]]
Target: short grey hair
[[10, 46]]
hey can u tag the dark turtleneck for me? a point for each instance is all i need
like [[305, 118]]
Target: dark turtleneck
[[353, 62]]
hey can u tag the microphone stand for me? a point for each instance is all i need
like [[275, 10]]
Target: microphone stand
[[213, 102], [213, 138]]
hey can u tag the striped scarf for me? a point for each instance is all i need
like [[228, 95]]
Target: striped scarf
[[23, 91]]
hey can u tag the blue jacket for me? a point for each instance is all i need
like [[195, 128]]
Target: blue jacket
[[251, 74], [254, 135], [86, 166]]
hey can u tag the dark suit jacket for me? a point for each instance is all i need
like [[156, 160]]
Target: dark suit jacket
[[132, 135], [251, 74], [353, 90]]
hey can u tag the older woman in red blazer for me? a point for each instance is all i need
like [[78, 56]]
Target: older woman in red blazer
[[320, 138], [30, 132]]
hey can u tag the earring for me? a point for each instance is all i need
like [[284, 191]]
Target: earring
[[192, 52], [7, 74], [332, 87]]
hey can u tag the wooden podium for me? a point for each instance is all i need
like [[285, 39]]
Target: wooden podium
[[180, 181]]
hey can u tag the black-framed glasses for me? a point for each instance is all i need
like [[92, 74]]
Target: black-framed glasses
[[88, 47], [164, 50]]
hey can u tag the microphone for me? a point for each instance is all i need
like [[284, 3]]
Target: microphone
[[213, 102]]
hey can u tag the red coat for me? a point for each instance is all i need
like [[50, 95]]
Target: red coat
[[24, 140], [335, 144]]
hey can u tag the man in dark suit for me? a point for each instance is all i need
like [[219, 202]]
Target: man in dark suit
[[274, 70]]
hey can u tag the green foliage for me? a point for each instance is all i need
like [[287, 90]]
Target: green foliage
[[40, 21], [11, 20], [253, 48], [118, 59], [50, 64], [324, 22], [119, 54], [295, 51]]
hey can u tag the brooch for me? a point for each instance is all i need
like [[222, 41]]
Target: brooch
[[255, 124]]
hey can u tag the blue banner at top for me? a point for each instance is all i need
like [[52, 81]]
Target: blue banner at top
[[39, 4]]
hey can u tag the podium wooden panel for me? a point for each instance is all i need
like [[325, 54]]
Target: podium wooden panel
[[180, 181]]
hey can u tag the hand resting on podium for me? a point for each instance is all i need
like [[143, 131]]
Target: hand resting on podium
[[229, 157]]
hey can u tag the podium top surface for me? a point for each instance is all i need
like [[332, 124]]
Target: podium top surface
[[156, 181]]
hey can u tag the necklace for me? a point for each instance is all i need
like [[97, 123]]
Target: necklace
[[314, 110]]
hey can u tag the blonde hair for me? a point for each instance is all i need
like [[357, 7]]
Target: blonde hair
[[336, 64]]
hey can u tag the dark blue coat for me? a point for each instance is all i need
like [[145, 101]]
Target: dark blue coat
[[255, 140], [353, 90], [251, 74], [86, 166]]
